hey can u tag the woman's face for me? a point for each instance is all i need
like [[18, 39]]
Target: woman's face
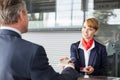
[[87, 32]]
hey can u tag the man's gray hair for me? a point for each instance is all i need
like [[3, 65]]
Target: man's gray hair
[[10, 9]]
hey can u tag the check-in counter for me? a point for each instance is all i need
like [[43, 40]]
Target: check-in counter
[[98, 78]]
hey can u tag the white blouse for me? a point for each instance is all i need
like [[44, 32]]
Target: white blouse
[[86, 52]]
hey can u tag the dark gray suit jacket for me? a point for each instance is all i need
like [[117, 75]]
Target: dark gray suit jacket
[[24, 60]]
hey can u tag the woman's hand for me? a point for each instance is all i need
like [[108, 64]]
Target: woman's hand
[[89, 69]]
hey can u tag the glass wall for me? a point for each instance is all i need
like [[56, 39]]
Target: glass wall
[[71, 13], [65, 14]]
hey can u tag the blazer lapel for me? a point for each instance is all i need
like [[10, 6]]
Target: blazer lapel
[[82, 59], [80, 54], [92, 56]]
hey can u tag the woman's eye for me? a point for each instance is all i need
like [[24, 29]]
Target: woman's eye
[[91, 29], [84, 27]]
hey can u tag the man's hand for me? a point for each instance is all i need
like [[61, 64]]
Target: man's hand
[[66, 62]]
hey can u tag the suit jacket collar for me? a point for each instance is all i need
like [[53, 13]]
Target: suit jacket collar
[[80, 53], [9, 32], [92, 56]]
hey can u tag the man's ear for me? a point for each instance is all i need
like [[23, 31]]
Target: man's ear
[[21, 16]]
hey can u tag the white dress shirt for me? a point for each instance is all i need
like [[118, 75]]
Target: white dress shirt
[[86, 52]]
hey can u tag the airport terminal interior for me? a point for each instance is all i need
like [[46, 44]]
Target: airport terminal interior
[[56, 24]]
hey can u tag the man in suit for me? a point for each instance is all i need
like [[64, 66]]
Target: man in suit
[[21, 59]]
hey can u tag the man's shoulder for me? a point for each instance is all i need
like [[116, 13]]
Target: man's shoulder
[[29, 43]]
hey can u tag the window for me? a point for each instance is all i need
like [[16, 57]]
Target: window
[[55, 14], [70, 14]]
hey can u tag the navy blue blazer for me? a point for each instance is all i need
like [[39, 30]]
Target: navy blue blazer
[[24, 60], [97, 59]]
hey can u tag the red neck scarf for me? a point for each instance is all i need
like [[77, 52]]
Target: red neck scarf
[[86, 44]]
